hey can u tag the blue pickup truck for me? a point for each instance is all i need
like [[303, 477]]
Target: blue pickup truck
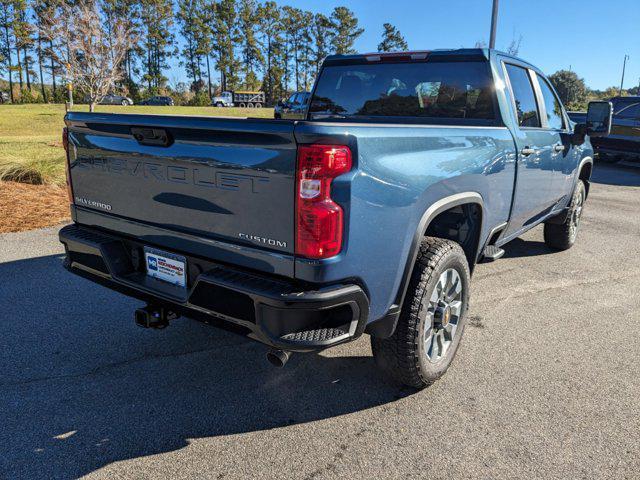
[[367, 216]]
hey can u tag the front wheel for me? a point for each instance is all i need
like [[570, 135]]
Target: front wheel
[[219, 104], [562, 236], [432, 318]]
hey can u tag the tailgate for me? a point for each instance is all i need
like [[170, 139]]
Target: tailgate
[[230, 180]]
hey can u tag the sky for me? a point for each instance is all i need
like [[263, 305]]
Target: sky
[[589, 36]]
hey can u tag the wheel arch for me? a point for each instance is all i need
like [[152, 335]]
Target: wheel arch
[[585, 169], [385, 326]]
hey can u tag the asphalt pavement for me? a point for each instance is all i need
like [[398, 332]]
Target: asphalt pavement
[[546, 383]]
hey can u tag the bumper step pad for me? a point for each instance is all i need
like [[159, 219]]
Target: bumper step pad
[[314, 336]]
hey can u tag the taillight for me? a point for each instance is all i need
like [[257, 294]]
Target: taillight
[[65, 144], [319, 220]]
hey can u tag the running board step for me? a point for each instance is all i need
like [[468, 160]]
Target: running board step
[[491, 254]]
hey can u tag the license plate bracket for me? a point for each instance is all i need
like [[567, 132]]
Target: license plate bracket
[[165, 266]]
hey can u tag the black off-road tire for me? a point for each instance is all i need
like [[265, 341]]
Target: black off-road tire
[[562, 236], [403, 357]]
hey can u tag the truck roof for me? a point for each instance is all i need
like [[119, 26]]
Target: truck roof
[[469, 54]]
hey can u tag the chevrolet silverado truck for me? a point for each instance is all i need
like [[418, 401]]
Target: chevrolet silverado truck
[[367, 216]]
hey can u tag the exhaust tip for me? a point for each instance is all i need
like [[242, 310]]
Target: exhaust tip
[[278, 358]]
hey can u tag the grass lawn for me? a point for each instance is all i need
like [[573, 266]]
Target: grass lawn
[[31, 143]]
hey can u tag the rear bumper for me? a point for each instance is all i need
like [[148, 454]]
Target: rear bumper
[[279, 313]]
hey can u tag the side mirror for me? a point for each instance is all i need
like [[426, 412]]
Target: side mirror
[[599, 116]]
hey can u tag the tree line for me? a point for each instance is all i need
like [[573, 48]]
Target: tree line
[[219, 44], [575, 94]]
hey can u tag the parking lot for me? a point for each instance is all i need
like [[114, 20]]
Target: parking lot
[[546, 383]]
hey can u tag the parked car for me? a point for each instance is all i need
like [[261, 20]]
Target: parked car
[[294, 107], [112, 99], [239, 99], [624, 141], [368, 216], [158, 100], [4, 97]]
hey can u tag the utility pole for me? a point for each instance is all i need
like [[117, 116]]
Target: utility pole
[[494, 24], [624, 66]]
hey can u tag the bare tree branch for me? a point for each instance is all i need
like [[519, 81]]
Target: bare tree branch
[[92, 56]]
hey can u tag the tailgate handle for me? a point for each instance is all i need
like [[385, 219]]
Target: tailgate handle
[[158, 137]]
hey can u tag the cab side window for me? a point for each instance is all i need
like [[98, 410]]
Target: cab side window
[[555, 118], [523, 95]]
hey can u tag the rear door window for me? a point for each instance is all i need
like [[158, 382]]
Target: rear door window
[[439, 90], [553, 107], [524, 98]]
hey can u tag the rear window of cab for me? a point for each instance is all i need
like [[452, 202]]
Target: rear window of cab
[[460, 91]]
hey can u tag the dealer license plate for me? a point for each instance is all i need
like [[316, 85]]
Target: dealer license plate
[[166, 266]]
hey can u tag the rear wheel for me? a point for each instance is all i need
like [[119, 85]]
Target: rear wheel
[[258, 105], [242, 105], [249, 105], [562, 236], [432, 319]]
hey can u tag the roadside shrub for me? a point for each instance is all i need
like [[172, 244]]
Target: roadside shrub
[[30, 96], [35, 172], [21, 172], [200, 99]]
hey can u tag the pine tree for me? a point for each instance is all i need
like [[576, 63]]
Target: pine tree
[[115, 11], [6, 44], [293, 22], [22, 40], [252, 56], [157, 40], [270, 31], [305, 51], [346, 31], [321, 36], [44, 13], [225, 39], [392, 40], [39, 12], [190, 30]]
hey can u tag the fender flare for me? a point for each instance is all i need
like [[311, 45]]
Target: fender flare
[[384, 327], [583, 162]]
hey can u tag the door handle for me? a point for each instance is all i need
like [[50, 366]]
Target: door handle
[[526, 151], [558, 148]]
